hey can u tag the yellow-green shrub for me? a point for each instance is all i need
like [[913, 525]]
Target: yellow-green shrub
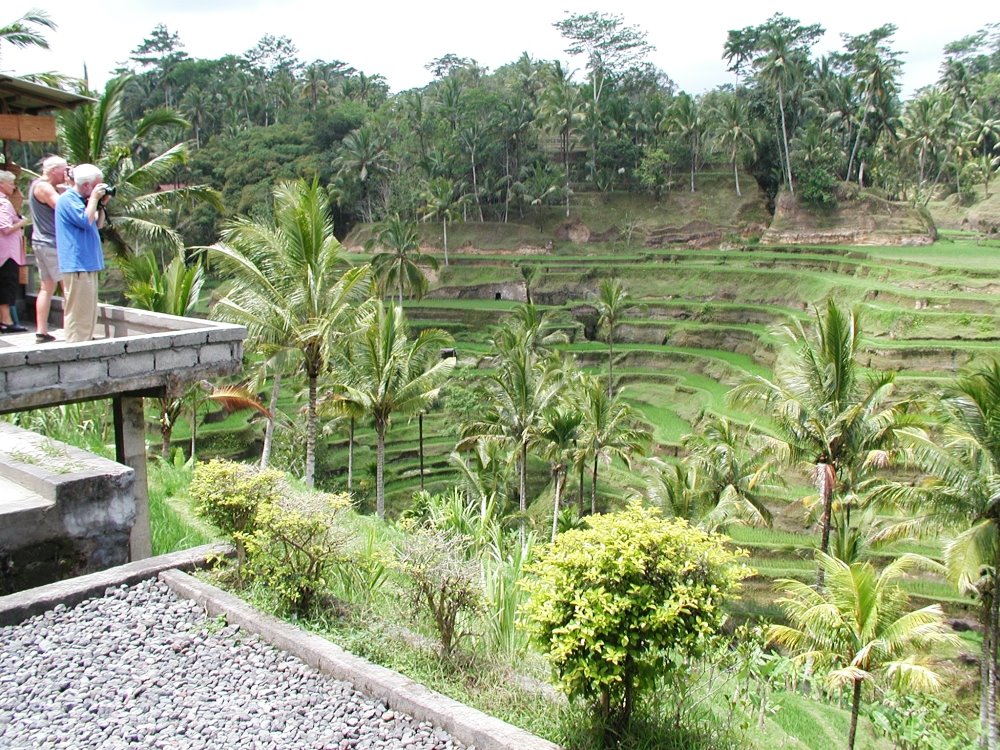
[[228, 495], [612, 603], [297, 543]]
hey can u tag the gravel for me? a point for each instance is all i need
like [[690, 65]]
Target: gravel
[[142, 668]]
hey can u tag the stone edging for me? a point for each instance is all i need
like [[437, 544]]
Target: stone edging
[[16, 608], [400, 693]]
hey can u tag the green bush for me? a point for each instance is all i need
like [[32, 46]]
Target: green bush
[[615, 604], [228, 495], [296, 546], [817, 187]]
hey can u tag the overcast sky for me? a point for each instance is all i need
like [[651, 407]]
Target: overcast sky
[[397, 39]]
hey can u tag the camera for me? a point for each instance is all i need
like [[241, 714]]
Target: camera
[[110, 190]]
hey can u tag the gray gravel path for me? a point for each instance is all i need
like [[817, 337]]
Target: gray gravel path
[[142, 668]]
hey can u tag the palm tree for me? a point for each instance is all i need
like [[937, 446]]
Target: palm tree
[[561, 110], [394, 374], [289, 288], [734, 133], [825, 413], [398, 266], [961, 496], [28, 30], [685, 121], [673, 488], [523, 385], [858, 628], [610, 429], [363, 158], [441, 203], [612, 301], [557, 436], [485, 471], [736, 475], [138, 216]]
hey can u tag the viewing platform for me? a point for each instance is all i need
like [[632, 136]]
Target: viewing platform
[[135, 354]]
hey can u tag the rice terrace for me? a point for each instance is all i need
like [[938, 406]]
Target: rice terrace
[[575, 410]]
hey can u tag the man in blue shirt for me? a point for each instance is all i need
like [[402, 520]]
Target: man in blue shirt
[[79, 217]]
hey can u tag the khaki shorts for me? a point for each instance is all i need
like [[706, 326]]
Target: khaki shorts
[[47, 260]]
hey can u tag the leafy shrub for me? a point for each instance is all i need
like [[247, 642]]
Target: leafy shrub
[[445, 581], [228, 495], [613, 605], [295, 546], [817, 187]]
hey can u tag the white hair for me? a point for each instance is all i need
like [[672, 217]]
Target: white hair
[[52, 162], [7, 177], [87, 174]]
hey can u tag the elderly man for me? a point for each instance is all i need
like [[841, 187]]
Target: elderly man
[[79, 217], [42, 197]]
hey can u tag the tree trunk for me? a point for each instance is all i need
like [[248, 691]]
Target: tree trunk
[[265, 453], [579, 493], [311, 434], [420, 428], [784, 139], [825, 487], [611, 358], [855, 708], [444, 233], [522, 481], [555, 506], [857, 141], [380, 469], [350, 456], [991, 705], [593, 487], [736, 174]]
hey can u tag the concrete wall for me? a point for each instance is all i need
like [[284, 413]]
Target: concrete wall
[[63, 511]]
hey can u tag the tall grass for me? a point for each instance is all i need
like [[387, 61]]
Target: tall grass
[[172, 522]]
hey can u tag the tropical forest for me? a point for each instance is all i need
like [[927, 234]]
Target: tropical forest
[[634, 417]]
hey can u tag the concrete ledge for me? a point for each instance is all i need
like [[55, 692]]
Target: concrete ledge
[[18, 607], [400, 693]]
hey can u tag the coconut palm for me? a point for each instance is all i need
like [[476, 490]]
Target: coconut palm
[[289, 287], [523, 385], [826, 413], [441, 203], [612, 301], [673, 488], [858, 629], [736, 474], [398, 263], [394, 374], [561, 110], [610, 429], [961, 496], [733, 131], [556, 438], [28, 30], [139, 216]]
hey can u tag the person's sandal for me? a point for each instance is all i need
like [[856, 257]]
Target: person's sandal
[[12, 328], [44, 338]]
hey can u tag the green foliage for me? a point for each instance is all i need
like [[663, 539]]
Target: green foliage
[[919, 722], [229, 496], [295, 546], [445, 581], [817, 187], [611, 605], [363, 574]]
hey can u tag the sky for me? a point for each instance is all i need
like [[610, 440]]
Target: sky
[[397, 39]]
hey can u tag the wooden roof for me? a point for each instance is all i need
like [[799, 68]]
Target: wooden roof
[[21, 97]]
